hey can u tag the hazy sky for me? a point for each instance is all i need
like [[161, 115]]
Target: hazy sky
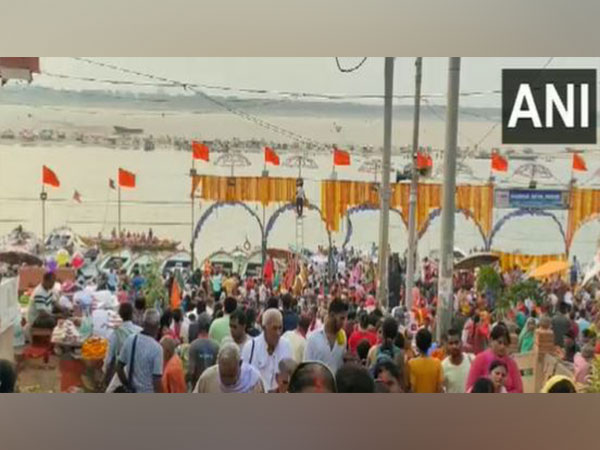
[[315, 75]]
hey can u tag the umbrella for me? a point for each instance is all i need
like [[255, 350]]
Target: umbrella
[[232, 159], [534, 171], [461, 169], [549, 268], [476, 260], [18, 258], [301, 161], [373, 166]]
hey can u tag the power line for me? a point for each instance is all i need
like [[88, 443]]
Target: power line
[[351, 69], [107, 81], [493, 127], [188, 86], [286, 94], [439, 116]]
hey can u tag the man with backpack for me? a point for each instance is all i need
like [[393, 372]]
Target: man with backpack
[[116, 340], [140, 363], [387, 350]]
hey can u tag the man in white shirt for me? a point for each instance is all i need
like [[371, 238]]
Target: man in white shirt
[[42, 303], [297, 338], [328, 345], [265, 351], [457, 364]]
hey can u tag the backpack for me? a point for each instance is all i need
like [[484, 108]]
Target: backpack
[[387, 353], [121, 334]]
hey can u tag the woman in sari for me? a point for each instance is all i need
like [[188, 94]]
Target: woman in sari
[[500, 341], [527, 336]]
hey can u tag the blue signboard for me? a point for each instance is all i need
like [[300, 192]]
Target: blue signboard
[[531, 198]]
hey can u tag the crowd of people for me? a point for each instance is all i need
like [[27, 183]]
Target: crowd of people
[[306, 329]]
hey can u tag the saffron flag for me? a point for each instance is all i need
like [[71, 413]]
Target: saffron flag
[[49, 177], [77, 196], [499, 163], [340, 157], [200, 151], [126, 178], [424, 161], [579, 163], [271, 156], [175, 294]]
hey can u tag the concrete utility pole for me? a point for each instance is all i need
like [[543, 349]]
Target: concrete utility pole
[[445, 290], [414, 182], [384, 213]]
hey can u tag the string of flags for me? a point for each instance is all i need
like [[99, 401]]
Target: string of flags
[[200, 151]]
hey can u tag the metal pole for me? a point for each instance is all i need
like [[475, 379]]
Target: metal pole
[[43, 198], [119, 209], [264, 241], [384, 218], [414, 184], [445, 290], [193, 173]]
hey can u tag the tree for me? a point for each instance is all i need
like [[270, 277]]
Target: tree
[[154, 290]]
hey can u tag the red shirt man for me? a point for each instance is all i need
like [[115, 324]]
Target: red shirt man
[[362, 333]]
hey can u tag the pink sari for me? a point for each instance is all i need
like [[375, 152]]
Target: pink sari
[[481, 366]]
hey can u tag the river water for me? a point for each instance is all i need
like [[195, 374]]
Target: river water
[[161, 198]]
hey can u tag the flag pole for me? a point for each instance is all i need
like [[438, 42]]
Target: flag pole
[[263, 242], [119, 209], [333, 161], [572, 171], [193, 173], [43, 198]]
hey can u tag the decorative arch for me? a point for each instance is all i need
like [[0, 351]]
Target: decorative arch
[[527, 212], [465, 212], [292, 207], [361, 208], [592, 218], [218, 205]]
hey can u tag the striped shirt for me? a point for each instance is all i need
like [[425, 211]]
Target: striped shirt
[[147, 363], [41, 300]]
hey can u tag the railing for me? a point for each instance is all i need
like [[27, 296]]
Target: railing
[[540, 365]]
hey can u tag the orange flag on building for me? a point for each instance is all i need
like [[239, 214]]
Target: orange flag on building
[[499, 163], [200, 151], [340, 157], [271, 156], [579, 163], [49, 177], [126, 178]]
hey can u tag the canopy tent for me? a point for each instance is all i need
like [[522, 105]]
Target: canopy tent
[[548, 269]]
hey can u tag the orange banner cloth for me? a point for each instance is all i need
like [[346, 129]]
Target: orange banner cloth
[[338, 196], [527, 263], [584, 204], [244, 189]]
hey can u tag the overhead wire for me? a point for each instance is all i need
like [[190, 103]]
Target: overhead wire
[[285, 94], [351, 69], [189, 86]]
